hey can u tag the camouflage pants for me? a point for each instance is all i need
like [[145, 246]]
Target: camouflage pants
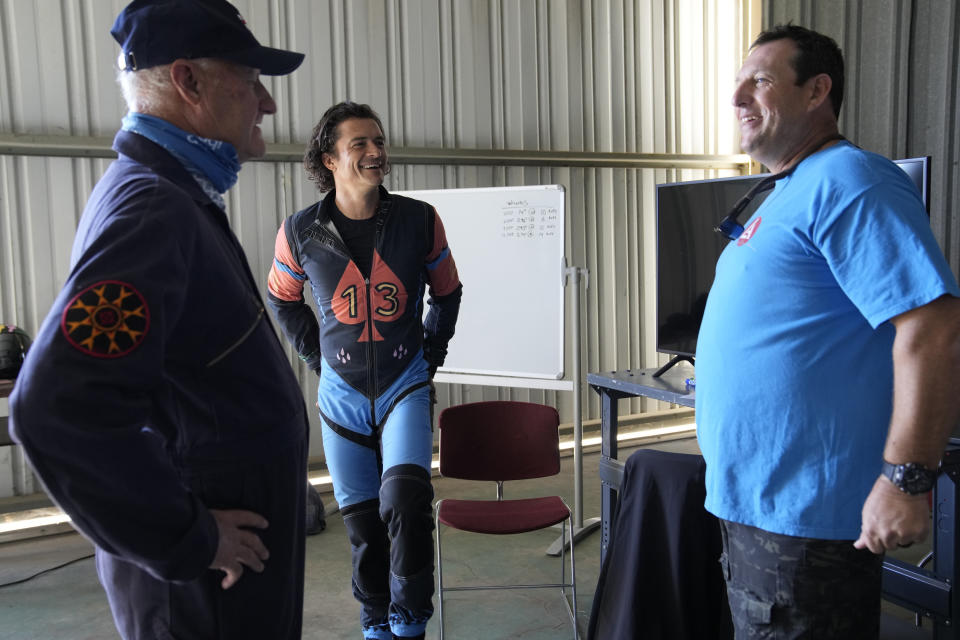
[[785, 588]]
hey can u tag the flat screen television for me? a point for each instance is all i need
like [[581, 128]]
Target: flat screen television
[[688, 248], [919, 171]]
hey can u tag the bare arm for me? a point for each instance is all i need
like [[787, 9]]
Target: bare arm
[[926, 408]]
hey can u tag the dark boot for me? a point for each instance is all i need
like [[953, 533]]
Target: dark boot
[[370, 548], [405, 506]]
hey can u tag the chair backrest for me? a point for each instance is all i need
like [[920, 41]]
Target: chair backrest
[[499, 440]]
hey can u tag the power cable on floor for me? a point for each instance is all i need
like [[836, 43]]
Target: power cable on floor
[[40, 573]]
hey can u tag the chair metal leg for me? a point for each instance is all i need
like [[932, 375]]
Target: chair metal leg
[[436, 522], [573, 582], [570, 604]]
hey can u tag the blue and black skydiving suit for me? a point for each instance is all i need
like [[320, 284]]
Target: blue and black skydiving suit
[[375, 355]]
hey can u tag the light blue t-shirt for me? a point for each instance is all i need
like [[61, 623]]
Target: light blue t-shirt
[[794, 356]]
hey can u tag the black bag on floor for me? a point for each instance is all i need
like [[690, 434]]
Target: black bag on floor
[[316, 516], [14, 344]]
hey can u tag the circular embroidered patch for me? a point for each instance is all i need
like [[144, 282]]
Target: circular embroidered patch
[[108, 319]]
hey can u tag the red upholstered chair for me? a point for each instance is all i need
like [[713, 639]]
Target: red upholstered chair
[[498, 441]]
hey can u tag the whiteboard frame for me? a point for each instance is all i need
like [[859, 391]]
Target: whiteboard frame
[[523, 379]]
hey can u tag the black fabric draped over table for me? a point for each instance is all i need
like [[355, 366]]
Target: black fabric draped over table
[[661, 578]]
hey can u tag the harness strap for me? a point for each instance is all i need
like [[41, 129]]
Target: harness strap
[[396, 401], [372, 441]]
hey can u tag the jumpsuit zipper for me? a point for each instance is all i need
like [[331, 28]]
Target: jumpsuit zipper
[[246, 334], [373, 378], [221, 218], [371, 359]]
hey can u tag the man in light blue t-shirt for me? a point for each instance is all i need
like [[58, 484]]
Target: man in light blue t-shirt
[[804, 418]]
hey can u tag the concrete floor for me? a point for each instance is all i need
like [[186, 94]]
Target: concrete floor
[[67, 603]]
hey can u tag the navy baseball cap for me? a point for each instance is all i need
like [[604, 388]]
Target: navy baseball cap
[[155, 32]]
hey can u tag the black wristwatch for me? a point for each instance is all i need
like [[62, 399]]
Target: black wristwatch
[[910, 477]]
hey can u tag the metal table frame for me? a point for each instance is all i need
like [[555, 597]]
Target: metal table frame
[[670, 387], [929, 593]]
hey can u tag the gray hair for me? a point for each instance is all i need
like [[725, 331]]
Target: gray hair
[[147, 90]]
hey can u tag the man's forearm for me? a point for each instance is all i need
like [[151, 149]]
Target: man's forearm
[[926, 368], [299, 325]]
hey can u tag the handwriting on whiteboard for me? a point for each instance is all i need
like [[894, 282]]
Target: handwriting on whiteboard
[[525, 222]]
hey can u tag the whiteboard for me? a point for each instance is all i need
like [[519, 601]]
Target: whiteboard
[[508, 243]]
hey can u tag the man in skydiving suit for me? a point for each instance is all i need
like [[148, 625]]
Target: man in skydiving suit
[[368, 256]]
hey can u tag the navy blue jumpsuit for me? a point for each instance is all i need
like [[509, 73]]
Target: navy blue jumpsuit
[[157, 390]]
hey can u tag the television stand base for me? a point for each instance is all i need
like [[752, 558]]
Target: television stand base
[[674, 360]]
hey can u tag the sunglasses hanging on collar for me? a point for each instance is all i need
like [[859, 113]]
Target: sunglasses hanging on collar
[[730, 227]]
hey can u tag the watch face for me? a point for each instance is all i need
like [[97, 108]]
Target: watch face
[[915, 478]]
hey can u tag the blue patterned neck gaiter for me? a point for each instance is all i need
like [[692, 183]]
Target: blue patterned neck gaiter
[[214, 160]]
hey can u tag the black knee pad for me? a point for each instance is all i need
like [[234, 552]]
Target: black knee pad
[[370, 548], [406, 498]]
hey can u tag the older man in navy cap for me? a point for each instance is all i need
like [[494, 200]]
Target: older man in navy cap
[[157, 404]]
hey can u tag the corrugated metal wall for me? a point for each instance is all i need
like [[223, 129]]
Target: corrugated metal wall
[[903, 86], [642, 76], [597, 76]]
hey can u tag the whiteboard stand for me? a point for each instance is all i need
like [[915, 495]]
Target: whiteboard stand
[[581, 529]]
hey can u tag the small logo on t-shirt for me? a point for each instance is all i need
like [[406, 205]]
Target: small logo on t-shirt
[[748, 232]]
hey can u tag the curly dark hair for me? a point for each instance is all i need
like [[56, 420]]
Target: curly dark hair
[[324, 137], [816, 54]]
